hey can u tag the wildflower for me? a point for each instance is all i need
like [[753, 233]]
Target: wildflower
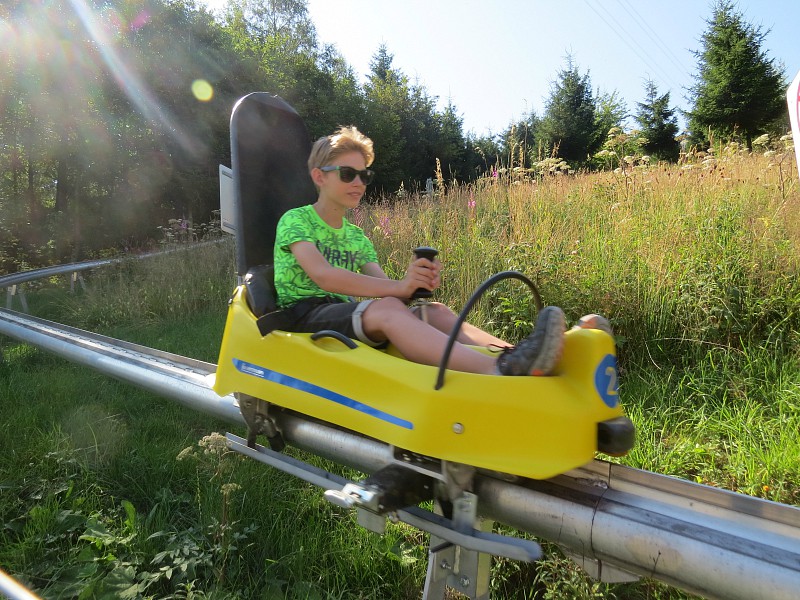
[[186, 453], [358, 216], [471, 202], [384, 226], [762, 140], [228, 488], [214, 443]]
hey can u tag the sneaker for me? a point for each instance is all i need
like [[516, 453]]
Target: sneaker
[[594, 322], [538, 353]]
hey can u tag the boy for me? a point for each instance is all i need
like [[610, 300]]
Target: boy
[[321, 259]]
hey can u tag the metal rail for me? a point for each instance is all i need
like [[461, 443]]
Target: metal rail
[[173, 376], [13, 282], [11, 588], [614, 520]]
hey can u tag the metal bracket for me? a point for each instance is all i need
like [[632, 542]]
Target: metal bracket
[[351, 495], [466, 571], [76, 277], [256, 415], [16, 290], [388, 489], [460, 554], [600, 570]]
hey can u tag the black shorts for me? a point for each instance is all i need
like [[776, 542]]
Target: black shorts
[[344, 317]]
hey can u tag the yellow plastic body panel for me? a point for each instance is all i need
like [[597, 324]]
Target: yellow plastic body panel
[[535, 427]]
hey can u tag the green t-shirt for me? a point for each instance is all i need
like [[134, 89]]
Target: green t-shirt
[[346, 248]]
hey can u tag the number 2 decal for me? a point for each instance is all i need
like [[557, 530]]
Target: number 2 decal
[[605, 380], [611, 373]]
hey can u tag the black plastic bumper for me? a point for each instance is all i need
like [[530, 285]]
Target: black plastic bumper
[[615, 436]]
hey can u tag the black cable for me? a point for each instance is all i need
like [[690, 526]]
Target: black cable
[[462, 316]]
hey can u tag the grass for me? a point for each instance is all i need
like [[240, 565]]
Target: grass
[[108, 491], [111, 491]]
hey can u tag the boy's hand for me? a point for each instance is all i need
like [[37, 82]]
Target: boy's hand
[[421, 273]]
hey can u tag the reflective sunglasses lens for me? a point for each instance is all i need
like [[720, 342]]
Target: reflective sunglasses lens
[[347, 174]]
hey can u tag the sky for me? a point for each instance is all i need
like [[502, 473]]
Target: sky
[[497, 61]]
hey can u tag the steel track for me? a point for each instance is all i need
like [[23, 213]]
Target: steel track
[[616, 521]]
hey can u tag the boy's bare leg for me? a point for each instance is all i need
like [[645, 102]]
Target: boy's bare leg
[[390, 319], [442, 318]]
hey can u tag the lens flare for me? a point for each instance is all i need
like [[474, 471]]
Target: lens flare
[[202, 90], [140, 20], [128, 78]]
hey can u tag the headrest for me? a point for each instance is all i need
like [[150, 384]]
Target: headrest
[[259, 285], [269, 153]]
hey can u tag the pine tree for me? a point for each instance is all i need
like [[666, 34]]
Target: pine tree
[[658, 123], [568, 126], [739, 90], [387, 97]]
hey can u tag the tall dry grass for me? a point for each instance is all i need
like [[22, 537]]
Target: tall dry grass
[[696, 265], [705, 252]]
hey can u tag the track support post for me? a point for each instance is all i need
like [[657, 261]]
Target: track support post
[[449, 565], [16, 290], [76, 277]]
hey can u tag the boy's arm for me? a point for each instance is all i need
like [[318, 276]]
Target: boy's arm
[[374, 270], [373, 283]]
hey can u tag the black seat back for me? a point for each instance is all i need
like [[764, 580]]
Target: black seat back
[[259, 286], [269, 153]]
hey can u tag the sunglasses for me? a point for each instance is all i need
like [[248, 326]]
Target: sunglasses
[[348, 174]]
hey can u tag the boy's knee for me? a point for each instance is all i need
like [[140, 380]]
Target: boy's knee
[[386, 305], [381, 315], [437, 314], [440, 309], [381, 311]]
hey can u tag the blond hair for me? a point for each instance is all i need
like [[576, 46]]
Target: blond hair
[[341, 141]]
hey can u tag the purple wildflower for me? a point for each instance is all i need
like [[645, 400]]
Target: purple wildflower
[[385, 227]]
